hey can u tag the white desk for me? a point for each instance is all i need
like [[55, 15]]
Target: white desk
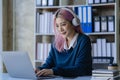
[[5, 76]]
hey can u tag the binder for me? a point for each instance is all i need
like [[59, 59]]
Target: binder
[[50, 2], [44, 2], [57, 2], [89, 19], [96, 1], [104, 47], [99, 47], [90, 1], [96, 21], [114, 52], [104, 25], [84, 13], [111, 23], [38, 2], [109, 49], [37, 22], [111, 1], [103, 1], [75, 9], [80, 15], [95, 49]]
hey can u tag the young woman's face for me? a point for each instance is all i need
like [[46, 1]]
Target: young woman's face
[[64, 27]]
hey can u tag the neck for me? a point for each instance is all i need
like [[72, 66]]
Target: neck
[[68, 39]]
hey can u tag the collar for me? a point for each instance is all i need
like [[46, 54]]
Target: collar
[[72, 43]]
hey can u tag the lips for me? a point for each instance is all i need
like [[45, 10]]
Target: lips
[[63, 32]]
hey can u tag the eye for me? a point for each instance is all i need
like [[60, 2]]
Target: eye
[[63, 24], [57, 26]]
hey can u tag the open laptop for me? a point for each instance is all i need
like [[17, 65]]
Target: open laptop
[[18, 65]]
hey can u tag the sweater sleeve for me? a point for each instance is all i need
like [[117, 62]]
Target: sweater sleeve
[[83, 62]]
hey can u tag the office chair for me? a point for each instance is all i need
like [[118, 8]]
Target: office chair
[[102, 62]]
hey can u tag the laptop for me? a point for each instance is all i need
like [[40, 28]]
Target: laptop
[[18, 65]]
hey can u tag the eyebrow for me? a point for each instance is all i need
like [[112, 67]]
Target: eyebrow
[[62, 22]]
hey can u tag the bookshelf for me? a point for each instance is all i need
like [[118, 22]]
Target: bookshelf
[[44, 33], [107, 38]]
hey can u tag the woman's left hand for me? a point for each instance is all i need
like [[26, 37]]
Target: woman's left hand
[[44, 72]]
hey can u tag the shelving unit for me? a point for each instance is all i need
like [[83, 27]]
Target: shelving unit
[[108, 9], [47, 36]]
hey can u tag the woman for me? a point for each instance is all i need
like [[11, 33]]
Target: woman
[[70, 54]]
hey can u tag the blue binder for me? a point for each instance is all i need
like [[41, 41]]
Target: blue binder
[[84, 18], [89, 19], [80, 15]]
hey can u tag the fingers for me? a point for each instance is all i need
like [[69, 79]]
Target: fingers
[[44, 72], [36, 70], [40, 73]]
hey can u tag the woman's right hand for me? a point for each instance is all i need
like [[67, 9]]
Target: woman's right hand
[[36, 70], [44, 72]]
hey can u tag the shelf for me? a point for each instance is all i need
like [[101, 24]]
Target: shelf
[[101, 33], [46, 7], [106, 4], [46, 34]]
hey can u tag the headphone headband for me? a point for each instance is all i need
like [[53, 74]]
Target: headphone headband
[[75, 20]]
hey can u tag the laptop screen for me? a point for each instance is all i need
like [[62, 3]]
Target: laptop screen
[[18, 64]]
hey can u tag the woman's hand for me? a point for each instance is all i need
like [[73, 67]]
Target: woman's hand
[[44, 72]]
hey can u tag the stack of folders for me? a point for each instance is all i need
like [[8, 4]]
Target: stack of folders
[[104, 74], [104, 23]]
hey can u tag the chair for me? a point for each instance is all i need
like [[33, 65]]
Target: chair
[[102, 62]]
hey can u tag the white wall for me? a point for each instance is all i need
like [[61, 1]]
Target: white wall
[[24, 26], [0, 33], [0, 25]]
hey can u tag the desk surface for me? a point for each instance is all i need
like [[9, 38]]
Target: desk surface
[[5, 76]]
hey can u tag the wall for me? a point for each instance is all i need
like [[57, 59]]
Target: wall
[[0, 34], [24, 26], [0, 25]]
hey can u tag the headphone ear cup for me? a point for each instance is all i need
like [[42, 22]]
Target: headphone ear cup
[[75, 22]]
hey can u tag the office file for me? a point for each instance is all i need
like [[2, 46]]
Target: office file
[[111, 24], [104, 24], [89, 19], [84, 13], [75, 9], [37, 22], [97, 24], [99, 47], [80, 15], [109, 50], [50, 2], [111, 1], [114, 51], [90, 1], [95, 49], [103, 1], [92, 49], [104, 47], [96, 1], [44, 2], [57, 2], [38, 2]]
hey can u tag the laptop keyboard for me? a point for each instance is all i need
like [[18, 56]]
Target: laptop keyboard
[[46, 77]]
